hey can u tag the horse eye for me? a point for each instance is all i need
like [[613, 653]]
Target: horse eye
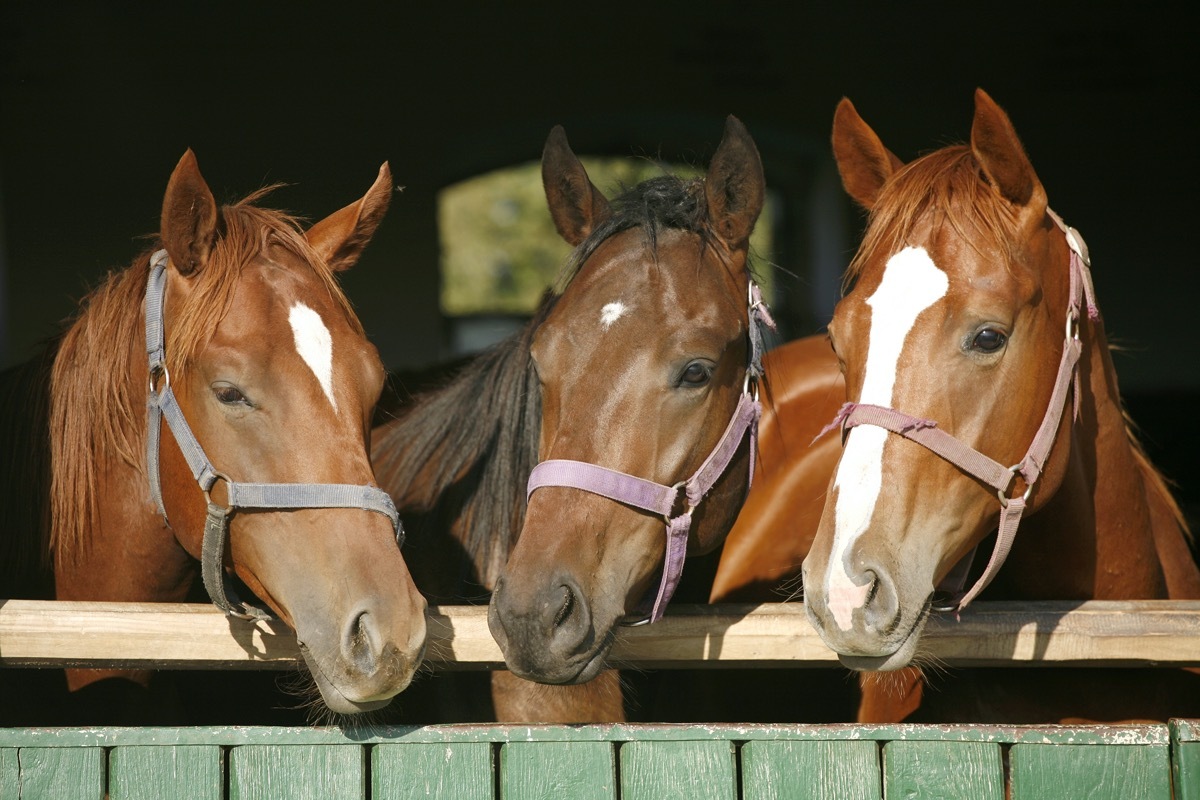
[[230, 395], [695, 375], [989, 340]]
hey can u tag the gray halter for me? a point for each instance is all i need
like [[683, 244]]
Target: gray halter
[[163, 405]]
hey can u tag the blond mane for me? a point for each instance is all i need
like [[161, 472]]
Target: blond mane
[[98, 381]]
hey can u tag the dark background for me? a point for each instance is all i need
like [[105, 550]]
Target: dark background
[[98, 102]]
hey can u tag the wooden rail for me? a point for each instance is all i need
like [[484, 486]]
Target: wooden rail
[[179, 636]]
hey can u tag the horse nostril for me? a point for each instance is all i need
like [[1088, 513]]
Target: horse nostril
[[568, 605]]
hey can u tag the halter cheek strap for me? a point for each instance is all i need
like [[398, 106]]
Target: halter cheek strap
[[661, 499], [163, 405], [1001, 478]]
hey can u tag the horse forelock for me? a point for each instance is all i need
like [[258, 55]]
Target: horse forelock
[[947, 184], [97, 402], [667, 202]]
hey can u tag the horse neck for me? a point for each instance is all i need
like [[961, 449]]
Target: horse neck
[[460, 457], [1096, 537]]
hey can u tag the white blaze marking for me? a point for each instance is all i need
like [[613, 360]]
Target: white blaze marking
[[911, 283], [315, 346], [611, 313]]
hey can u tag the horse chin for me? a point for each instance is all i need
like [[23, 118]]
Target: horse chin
[[338, 700], [898, 658], [579, 670]]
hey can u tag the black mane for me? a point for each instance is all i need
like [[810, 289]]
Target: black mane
[[469, 446]]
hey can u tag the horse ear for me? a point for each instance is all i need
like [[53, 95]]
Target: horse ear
[[862, 160], [735, 187], [1002, 158], [576, 205], [340, 238], [189, 217]]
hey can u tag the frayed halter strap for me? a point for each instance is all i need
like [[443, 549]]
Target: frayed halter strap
[[163, 405], [663, 500], [1001, 478]]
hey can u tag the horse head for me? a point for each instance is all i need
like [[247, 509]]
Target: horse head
[[951, 341], [642, 362]]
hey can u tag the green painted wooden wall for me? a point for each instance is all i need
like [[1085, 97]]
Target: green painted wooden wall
[[606, 762]]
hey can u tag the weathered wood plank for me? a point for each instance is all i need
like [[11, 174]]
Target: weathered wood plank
[[943, 770], [60, 773], [1085, 772], [251, 735], [144, 772], [442, 771], [184, 636], [1185, 758], [554, 770], [680, 770], [791, 770], [10, 774], [297, 772]]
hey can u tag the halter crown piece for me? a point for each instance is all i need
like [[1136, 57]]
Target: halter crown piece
[[278, 496], [660, 499], [1001, 478]]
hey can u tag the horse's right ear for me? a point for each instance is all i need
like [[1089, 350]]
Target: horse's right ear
[[576, 205], [862, 160], [189, 217]]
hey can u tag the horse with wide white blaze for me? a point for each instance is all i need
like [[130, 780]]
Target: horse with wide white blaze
[[984, 426]]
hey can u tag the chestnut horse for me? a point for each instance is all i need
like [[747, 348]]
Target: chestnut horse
[[970, 340], [266, 382], [622, 386]]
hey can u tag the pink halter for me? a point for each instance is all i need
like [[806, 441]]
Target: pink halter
[[1001, 478], [660, 499]]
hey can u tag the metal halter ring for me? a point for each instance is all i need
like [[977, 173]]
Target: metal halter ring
[[1004, 499], [158, 371], [218, 476], [675, 490]]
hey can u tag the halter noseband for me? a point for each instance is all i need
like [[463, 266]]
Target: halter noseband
[[163, 405], [663, 500], [1001, 478]]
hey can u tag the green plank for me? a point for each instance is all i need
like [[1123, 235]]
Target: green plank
[[1090, 772], [674, 770], [188, 772], [9, 774], [61, 773], [297, 772], [555, 770], [775, 770], [1185, 759], [943, 770], [450, 771]]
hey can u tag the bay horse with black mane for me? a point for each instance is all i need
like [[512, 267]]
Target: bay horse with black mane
[[984, 429], [628, 405], [247, 454]]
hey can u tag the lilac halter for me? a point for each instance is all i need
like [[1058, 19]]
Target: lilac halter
[[1001, 478], [660, 499]]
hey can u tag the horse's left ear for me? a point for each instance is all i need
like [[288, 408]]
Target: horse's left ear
[[735, 186], [1002, 158], [189, 217], [341, 237]]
